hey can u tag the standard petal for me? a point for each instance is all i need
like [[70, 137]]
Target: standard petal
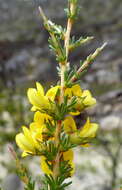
[[89, 129], [85, 128], [77, 91], [73, 91], [40, 88], [88, 99], [93, 129], [68, 92], [33, 97], [69, 125], [68, 155], [23, 143], [36, 99], [51, 93], [28, 136]]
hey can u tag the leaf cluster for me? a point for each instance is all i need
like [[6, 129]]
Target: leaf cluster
[[58, 30], [76, 43], [59, 50], [64, 108], [72, 13], [65, 142], [50, 150], [68, 76], [49, 130], [65, 169], [54, 184], [60, 110]]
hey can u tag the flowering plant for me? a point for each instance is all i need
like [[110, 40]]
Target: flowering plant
[[53, 134]]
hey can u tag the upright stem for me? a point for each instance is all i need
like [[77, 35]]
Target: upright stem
[[67, 36], [57, 142], [63, 69], [66, 46]]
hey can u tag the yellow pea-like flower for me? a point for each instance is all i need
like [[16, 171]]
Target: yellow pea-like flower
[[41, 117], [69, 125], [38, 99], [27, 142], [68, 155], [44, 166], [89, 129], [51, 93], [75, 90], [87, 132], [31, 138], [88, 100], [41, 101], [83, 97], [38, 127]]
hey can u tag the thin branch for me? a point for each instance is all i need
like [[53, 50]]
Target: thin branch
[[88, 61]]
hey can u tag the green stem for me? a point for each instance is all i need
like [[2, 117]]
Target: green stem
[[63, 69]]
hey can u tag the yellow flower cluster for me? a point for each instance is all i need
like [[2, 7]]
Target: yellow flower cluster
[[32, 139], [41, 101]]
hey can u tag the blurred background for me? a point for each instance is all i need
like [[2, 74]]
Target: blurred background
[[25, 58]]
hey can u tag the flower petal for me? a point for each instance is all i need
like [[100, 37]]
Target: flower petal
[[73, 168], [23, 143], [51, 93], [45, 168], [34, 108], [76, 89], [75, 113], [24, 154], [69, 125], [68, 155], [41, 117], [40, 88], [88, 99], [28, 136], [89, 129], [36, 99]]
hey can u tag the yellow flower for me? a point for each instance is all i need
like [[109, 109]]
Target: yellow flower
[[83, 135], [38, 127], [89, 130], [83, 98], [44, 166], [66, 156], [69, 125], [30, 140], [88, 99], [41, 101], [27, 142], [38, 99], [73, 91], [69, 155]]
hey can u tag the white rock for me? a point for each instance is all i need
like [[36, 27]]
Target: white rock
[[110, 122]]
